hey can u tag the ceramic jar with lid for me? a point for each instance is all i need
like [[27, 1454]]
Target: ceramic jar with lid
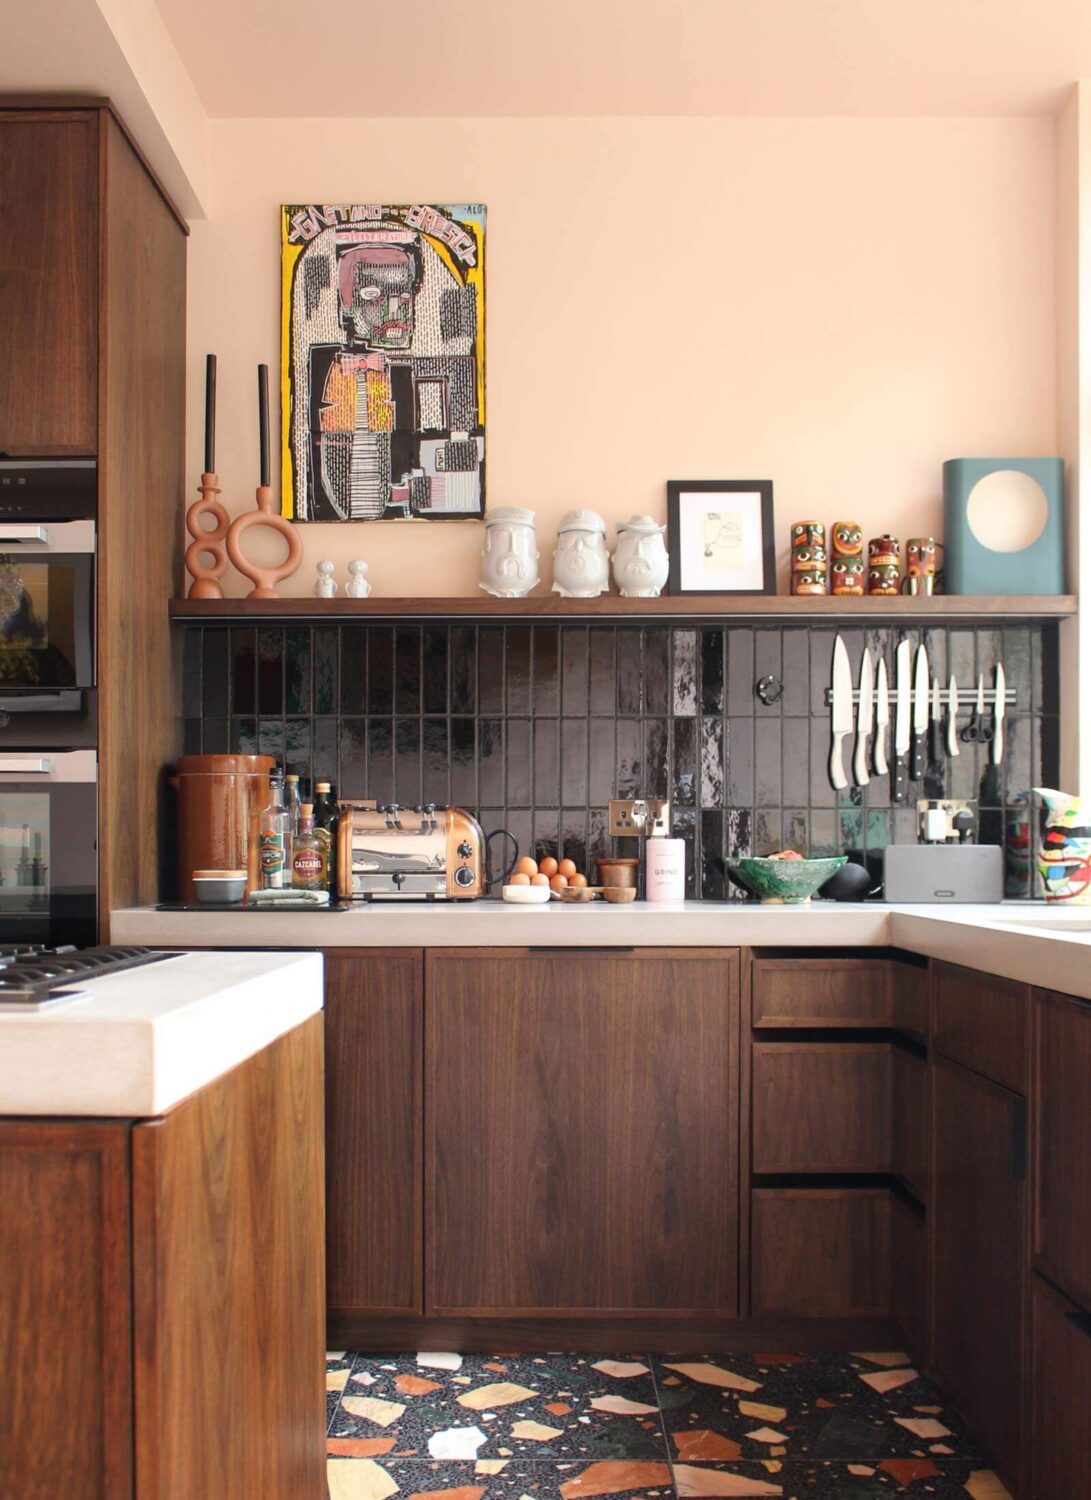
[[640, 562], [581, 563], [509, 558]]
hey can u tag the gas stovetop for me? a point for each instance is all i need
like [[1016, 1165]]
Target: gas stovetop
[[35, 978]]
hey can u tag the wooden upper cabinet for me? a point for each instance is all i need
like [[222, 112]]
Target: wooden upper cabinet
[[1061, 1093], [49, 276], [982, 1022], [581, 1148]]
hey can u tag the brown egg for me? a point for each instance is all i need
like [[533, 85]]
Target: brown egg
[[519, 879], [577, 880], [566, 867], [548, 866], [558, 882], [526, 866], [539, 880]]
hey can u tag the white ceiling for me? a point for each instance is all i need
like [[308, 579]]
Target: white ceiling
[[630, 57]]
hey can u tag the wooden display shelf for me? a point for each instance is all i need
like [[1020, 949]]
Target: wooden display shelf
[[783, 608]]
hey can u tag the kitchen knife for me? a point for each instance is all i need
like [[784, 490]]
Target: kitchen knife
[[952, 716], [935, 727], [865, 721], [921, 677], [841, 719], [882, 719], [1000, 688], [902, 695]]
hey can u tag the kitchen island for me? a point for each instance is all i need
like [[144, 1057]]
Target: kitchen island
[[161, 1182]]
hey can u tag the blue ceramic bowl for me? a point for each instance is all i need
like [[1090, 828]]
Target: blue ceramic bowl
[[785, 882]]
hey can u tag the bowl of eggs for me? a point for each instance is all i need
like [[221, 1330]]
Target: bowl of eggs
[[534, 881]]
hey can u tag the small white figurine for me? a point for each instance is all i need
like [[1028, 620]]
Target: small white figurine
[[357, 586], [325, 585], [641, 565], [509, 558], [581, 563]]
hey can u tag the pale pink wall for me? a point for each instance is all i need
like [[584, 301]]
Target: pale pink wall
[[837, 304]]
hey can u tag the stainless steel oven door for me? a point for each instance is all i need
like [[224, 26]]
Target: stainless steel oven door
[[49, 847], [47, 601]]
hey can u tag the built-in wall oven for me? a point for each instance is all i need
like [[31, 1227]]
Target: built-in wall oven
[[48, 847]]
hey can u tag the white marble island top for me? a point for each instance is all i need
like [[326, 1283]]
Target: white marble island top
[[1023, 940], [145, 1038]]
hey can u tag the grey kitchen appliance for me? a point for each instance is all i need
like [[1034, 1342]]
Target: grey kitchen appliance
[[48, 846], [943, 874]]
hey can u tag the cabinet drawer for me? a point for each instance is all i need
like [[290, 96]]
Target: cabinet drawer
[[909, 998], [909, 1274], [981, 1021], [821, 1106], [1060, 1427], [910, 1126], [821, 992], [1062, 1142], [821, 1252]]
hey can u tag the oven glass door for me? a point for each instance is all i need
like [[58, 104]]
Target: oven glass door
[[48, 853], [46, 620]]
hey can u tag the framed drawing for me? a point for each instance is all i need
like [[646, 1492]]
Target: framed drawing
[[383, 361], [720, 536]]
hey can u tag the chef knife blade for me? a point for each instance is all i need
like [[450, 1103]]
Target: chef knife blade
[[882, 719], [841, 718], [902, 693], [1000, 688], [952, 716], [920, 713], [935, 727], [864, 721]]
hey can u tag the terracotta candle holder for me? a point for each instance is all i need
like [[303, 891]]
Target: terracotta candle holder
[[266, 514], [207, 541]]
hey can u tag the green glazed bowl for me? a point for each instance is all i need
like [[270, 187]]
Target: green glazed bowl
[[785, 882]]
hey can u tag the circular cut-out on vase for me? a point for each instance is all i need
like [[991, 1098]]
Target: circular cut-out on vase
[[1007, 510]]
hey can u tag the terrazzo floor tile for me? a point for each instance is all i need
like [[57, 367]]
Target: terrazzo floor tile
[[338, 1369], [536, 1407], [498, 1479], [912, 1479], [833, 1408]]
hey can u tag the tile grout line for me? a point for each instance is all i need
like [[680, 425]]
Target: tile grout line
[[662, 1421]]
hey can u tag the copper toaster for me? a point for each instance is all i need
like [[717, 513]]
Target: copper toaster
[[391, 853]]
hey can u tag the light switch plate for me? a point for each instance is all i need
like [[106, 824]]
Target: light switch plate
[[633, 817]]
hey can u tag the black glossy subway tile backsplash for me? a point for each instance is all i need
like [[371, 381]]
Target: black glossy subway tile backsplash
[[535, 727]]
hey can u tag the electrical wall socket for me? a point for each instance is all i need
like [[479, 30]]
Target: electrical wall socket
[[631, 818], [943, 810]]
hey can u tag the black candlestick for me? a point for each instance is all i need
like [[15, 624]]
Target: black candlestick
[[210, 414], [263, 421]]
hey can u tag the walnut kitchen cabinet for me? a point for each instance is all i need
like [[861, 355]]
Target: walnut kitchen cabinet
[[581, 1132], [179, 1261], [1061, 1092], [1060, 1424], [374, 1131]]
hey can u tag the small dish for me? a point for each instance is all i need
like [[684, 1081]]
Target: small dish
[[220, 887], [619, 895], [526, 895], [576, 895]]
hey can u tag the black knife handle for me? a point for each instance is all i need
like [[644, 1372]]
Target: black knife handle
[[916, 755], [898, 784]]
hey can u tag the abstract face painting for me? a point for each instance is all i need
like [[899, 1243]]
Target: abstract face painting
[[383, 361]]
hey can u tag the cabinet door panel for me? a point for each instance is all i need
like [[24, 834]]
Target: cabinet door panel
[[910, 1127], [821, 1107], [581, 1140], [1062, 1142], [49, 257], [1060, 1464], [821, 992], [374, 1051], [64, 1295], [982, 1022], [820, 1252], [978, 1197]]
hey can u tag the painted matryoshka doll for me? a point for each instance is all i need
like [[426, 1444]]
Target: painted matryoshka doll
[[921, 561], [884, 560], [1064, 858], [809, 558], [848, 575]]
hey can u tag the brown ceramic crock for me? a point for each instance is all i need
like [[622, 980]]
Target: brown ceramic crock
[[619, 872], [219, 798]]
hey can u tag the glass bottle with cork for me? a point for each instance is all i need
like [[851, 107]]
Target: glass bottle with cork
[[274, 837], [309, 863]]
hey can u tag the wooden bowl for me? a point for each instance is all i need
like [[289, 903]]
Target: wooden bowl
[[619, 895], [577, 894]]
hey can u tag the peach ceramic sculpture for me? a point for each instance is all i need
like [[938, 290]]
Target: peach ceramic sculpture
[[266, 514], [208, 541]]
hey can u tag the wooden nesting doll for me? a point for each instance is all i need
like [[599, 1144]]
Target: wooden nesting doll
[[921, 562], [847, 565], [810, 559], [884, 565]]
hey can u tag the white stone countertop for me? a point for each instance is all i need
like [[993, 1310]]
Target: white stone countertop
[[146, 1038], [1024, 940]]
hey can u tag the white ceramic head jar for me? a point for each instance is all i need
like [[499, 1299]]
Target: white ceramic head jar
[[641, 565], [509, 558], [581, 563]]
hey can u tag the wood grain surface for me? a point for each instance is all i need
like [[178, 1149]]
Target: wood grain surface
[[1061, 1143], [821, 1107], [820, 1252], [982, 1022]]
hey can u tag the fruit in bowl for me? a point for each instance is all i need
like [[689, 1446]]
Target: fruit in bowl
[[786, 878]]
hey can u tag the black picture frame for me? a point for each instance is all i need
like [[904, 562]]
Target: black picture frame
[[676, 488]]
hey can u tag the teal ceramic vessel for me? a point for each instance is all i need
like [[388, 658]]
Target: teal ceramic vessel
[[785, 882]]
